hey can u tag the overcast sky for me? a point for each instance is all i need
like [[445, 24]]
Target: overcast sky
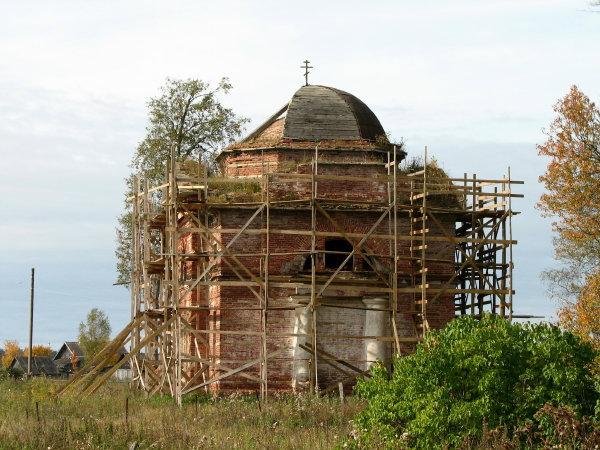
[[473, 80]]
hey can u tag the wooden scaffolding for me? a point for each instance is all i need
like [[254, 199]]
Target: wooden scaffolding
[[480, 279]]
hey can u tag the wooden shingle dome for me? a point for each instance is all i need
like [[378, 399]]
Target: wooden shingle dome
[[317, 114], [321, 113]]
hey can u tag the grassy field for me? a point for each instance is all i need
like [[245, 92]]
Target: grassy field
[[155, 422]]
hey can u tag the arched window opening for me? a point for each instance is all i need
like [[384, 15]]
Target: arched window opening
[[340, 249]]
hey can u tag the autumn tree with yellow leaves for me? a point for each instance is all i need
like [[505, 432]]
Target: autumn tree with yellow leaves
[[583, 315], [38, 350], [572, 182], [11, 350]]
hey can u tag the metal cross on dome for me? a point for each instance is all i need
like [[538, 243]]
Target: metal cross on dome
[[306, 71]]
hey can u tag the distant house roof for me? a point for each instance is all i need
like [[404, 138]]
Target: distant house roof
[[68, 349], [40, 365]]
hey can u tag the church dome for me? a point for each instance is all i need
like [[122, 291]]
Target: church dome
[[322, 113], [317, 114]]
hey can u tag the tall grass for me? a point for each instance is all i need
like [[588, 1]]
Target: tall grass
[[100, 421]]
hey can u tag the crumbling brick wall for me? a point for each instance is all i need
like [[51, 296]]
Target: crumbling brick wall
[[234, 325]]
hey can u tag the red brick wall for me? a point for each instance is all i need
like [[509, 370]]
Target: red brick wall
[[237, 314]]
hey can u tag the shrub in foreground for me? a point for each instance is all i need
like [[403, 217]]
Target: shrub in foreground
[[474, 375]]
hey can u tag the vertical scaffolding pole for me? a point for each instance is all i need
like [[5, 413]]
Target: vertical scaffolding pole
[[510, 268], [425, 324], [314, 384], [210, 339], [414, 262], [492, 256], [465, 248], [472, 247], [134, 281], [175, 275], [503, 271], [264, 309], [395, 253], [479, 252]]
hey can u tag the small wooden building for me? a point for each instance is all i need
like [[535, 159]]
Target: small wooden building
[[40, 366], [69, 358]]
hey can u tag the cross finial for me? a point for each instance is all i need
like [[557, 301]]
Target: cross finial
[[306, 71]]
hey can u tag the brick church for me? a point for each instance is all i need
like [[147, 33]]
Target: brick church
[[337, 222]]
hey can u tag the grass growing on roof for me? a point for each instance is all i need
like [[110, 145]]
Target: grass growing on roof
[[437, 180], [224, 190]]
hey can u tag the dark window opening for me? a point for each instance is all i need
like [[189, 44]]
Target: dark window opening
[[307, 264], [340, 249]]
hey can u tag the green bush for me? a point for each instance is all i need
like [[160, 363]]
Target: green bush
[[9, 373], [474, 375]]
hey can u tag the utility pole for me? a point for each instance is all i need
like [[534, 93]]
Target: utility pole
[[31, 323]]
